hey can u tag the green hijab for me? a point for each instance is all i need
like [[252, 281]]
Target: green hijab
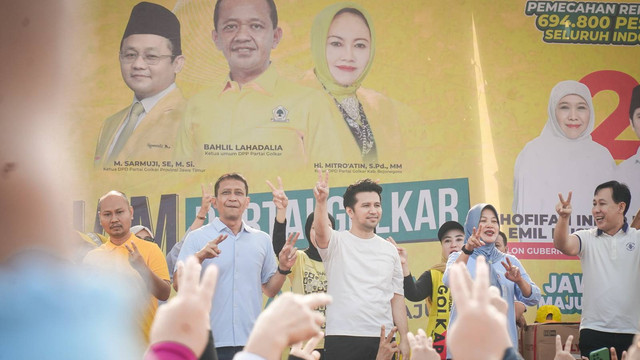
[[319, 32]]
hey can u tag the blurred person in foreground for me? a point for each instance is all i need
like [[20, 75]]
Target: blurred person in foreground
[[48, 304], [179, 331]]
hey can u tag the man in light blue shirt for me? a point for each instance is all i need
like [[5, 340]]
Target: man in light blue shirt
[[247, 267]]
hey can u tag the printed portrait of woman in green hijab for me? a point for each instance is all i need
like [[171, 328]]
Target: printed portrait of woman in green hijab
[[343, 49]]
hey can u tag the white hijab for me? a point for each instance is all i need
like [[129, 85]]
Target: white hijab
[[552, 130], [552, 163]]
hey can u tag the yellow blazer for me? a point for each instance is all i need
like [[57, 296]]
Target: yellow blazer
[[153, 139]]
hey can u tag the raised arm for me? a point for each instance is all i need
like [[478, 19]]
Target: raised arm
[[404, 256], [201, 216], [291, 318], [420, 289], [181, 319], [474, 241], [205, 205], [160, 288], [562, 240], [481, 310], [286, 259], [281, 201], [422, 346], [321, 222], [412, 290]]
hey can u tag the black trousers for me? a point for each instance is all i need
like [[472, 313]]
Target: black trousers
[[337, 347], [321, 351], [228, 352], [210, 350], [593, 340]]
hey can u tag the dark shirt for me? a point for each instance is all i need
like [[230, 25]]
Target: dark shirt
[[279, 239], [418, 290]]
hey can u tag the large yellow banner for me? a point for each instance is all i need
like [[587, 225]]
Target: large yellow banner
[[456, 95]]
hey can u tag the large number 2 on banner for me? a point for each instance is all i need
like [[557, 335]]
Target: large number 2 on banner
[[606, 133]]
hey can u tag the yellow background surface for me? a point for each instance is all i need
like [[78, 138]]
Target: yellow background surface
[[427, 58]]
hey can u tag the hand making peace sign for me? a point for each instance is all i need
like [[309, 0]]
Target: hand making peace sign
[[210, 250], [289, 254], [513, 272], [387, 346], [475, 241], [563, 208], [135, 258], [207, 196], [321, 190], [280, 199]]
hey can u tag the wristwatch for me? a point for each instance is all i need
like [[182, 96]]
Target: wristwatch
[[464, 250], [284, 272]]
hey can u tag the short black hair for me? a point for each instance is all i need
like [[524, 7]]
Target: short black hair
[[504, 236], [273, 13], [366, 185], [309, 224], [635, 102], [234, 176], [619, 192]]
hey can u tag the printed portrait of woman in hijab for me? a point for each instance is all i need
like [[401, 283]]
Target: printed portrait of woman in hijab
[[343, 48], [563, 158]]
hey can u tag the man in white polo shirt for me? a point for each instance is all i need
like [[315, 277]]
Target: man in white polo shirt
[[610, 258]]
